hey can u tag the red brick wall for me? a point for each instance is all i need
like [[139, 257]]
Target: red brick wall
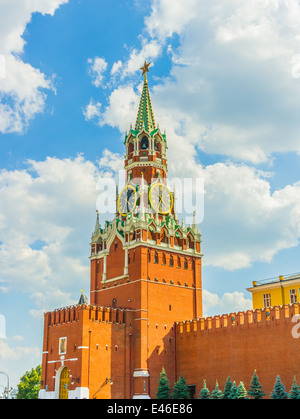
[[215, 348]]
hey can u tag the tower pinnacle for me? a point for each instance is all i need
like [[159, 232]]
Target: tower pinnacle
[[145, 118]]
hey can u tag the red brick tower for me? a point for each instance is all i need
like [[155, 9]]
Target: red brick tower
[[144, 261]]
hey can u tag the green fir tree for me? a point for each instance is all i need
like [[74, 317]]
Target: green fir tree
[[217, 393], [180, 390], [163, 390], [295, 391], [204, 392], [242, 392], [234, 392], [279, 390], [227, 388], [256, 390]]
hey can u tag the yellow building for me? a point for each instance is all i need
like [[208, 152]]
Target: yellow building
[[276, 292]]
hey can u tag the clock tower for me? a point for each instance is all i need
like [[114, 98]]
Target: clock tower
[[143, 261]]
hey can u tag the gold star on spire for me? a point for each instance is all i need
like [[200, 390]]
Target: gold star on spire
[[145, 69]]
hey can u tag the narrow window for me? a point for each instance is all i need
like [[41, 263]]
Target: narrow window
[[293, 296], [267, 300], [178, 262]]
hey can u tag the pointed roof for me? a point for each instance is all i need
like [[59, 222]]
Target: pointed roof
[[97, 226], [145, 118], [83, 299]]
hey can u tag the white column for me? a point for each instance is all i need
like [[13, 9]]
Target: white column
[[104, 268], [126, 261]]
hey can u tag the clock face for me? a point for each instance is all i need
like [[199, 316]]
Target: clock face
[[127, 200], [161, 199]]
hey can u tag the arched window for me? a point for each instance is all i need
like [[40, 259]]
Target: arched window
[[156, 257], [185, 263], [164, 259], [149, 256], [144, 143], [114, 303], [156, 145], [171, 263]]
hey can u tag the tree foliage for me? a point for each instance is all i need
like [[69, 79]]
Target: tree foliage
[[163, 390], [227, 388], [204, 392], [217, 393], [279, 390], [295, 391], [30, 384], [256, 390], [180, 390]]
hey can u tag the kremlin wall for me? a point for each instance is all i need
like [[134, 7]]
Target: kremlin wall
[[236, 344]]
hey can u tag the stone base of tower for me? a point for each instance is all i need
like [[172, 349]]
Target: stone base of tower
[[141, 384]]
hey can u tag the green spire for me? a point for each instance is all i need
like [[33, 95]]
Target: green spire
[[145, 118]]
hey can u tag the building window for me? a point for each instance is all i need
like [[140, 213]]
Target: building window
[[293, 296], [114, 303], [171, 263], [144, 143], [156, 257], [62, 346], [164, 259], [178, 262], [267, 300], [185, 263], [149, 256]]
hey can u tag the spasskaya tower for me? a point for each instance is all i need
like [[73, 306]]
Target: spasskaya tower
[[145, 260]]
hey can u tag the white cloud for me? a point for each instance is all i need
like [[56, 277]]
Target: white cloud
[[44, 228], [175, 16], [150, 50], [111, 161], [8, 353], [98, 66], [228, 303], [244, 221], [122, 108], [23, 87], [92, 111]]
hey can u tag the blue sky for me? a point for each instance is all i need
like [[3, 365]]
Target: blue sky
[[225, 84]]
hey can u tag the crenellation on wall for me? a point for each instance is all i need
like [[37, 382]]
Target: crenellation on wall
[[95, 313], [249, 318]]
